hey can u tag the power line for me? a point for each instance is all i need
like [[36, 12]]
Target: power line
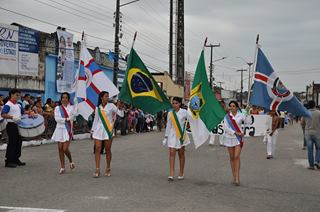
[[55, 25], [69, 12]]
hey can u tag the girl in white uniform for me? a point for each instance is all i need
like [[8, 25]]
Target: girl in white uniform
[[102, 130], [232, 142], [172, 140], [64, 116]]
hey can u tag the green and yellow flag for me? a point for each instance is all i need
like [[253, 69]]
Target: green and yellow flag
[[206, 112], [140, 89]]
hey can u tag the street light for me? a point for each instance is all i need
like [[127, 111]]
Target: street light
[[212, 68], [249, 71], [241, 70]]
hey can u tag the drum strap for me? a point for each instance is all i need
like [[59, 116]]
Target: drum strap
[[68, 124], [233, 124], [105, 121], [181, 133]]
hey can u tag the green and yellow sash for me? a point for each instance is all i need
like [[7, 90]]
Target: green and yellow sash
[[106, 123], [181, 133]]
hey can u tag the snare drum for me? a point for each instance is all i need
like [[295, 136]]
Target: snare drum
[[3, 124], [31, 127]]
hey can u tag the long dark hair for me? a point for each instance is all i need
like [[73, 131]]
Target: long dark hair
[[101, 94], [65, 93]]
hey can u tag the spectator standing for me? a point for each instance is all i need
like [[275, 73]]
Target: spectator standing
[[312, 134]]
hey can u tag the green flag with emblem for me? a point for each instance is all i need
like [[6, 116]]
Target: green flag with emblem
[[204, 109], [140, 89]]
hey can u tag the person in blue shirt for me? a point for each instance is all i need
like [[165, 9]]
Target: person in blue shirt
[[12, 112]]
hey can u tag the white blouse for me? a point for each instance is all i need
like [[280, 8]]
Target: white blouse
[[239, 119], [98, 130], [59, 119], [172, 138]]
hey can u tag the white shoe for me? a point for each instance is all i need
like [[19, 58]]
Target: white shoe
[[180, 177], [170, 178]]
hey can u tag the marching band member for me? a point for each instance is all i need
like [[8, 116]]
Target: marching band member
[[233, 138], [175, 136], [12, 112], [102, 130], [64, 115]]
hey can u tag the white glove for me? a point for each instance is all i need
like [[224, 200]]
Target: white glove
[[16, 119], [164, 142]]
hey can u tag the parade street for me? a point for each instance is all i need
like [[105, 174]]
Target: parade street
[[139, 178]]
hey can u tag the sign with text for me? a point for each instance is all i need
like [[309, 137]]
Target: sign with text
[[28, 51], [9, 49], [258, 127]]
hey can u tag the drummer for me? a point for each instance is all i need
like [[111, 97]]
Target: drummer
[[12, 112], [64, 115]]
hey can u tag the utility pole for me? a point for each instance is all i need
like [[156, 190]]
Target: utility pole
[[171, 39], [211, 57], [116, 44], [116, 40], [241, 97]]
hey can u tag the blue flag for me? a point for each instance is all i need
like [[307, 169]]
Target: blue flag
[[270, 93]]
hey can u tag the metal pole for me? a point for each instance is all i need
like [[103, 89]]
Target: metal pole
[[241, 92], [211, 70], [171, 39], [116, 45], [211, 57]]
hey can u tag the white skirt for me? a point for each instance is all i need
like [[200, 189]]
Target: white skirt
[[60, 135], [175, 143], [231, 142], [100, 134]]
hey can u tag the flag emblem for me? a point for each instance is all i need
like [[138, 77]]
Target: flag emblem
[[196, 101], [140, 84]]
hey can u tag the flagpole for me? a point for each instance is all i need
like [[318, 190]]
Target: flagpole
[[205, 43], [254, 69], [134, 39], [75, 100]]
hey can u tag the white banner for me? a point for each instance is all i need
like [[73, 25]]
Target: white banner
[[258, 128], [65, 62], [9, 49]]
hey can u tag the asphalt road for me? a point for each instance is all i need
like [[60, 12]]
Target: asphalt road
[[139, 178]]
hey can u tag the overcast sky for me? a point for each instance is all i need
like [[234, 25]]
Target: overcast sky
[[289, 32]]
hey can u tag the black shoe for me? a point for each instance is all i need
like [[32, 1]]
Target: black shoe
[[317, 165], [311, 168], [19, 163], [11, 165]]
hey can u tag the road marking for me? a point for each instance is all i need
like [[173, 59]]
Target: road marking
[[100, 197], [301, 162], [22, 209]]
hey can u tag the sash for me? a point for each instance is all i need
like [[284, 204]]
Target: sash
[[181, 134], [68, 124], [233, 124], [105, 122]]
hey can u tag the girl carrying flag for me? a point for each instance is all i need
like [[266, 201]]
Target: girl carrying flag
[[64, 116], [176, 137], [233, 139], [102, 130]]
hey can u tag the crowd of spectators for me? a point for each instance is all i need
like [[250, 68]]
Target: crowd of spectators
[[128, 119]]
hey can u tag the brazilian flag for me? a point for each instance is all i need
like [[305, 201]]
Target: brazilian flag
[[140, 89]]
